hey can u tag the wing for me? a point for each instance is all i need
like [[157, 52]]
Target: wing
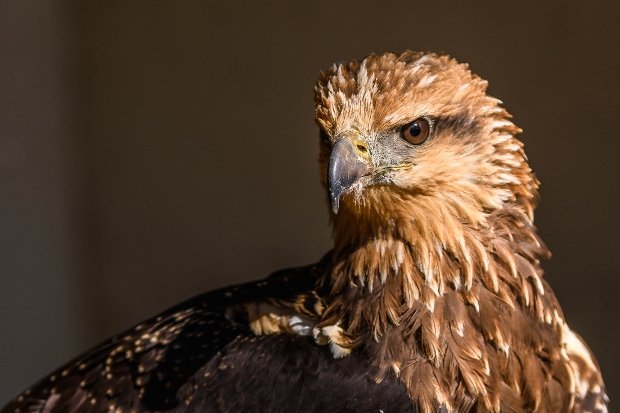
[[196, 357]]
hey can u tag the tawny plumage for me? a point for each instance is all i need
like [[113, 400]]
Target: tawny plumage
[[431, 300]]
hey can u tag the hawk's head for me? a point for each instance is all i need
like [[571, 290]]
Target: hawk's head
[[417, 132]]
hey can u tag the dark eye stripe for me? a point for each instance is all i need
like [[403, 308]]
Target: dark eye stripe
[[459, 124]]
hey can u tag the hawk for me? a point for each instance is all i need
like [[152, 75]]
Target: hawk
[[432, 298]]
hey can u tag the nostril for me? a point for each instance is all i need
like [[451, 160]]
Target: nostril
[[362, 148]]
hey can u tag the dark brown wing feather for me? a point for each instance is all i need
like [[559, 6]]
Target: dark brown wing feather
[[193, 358]]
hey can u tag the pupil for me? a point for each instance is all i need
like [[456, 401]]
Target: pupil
[[415, 129]]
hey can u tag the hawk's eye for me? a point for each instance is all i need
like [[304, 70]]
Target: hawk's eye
[[416, 132]]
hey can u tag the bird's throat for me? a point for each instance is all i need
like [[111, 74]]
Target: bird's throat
[[415, 261]]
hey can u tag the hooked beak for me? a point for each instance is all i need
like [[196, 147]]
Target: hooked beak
[[348, 162]]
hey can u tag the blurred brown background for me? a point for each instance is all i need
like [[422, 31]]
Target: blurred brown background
[[153, 150]]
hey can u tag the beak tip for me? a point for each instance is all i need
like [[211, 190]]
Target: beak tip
[[335, 203], [335, 208]]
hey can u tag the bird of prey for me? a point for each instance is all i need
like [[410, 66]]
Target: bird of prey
[[432, 298]]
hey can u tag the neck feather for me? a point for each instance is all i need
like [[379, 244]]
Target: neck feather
[[390, 263], [438, 295]]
